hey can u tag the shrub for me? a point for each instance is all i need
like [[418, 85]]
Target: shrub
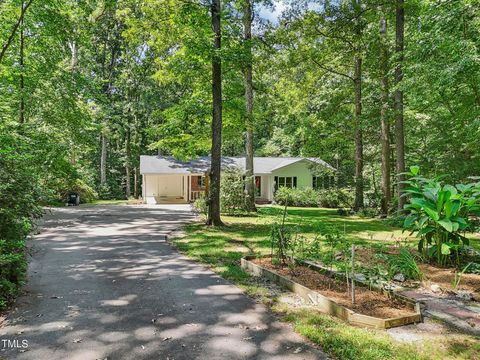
[[87, 193], [111, 191], [20, 193], [305, 197], [440, 215], [232, 191], [296, 197], [284, 196], [200, 205], [329, 198], [367, 212], [335, 198]]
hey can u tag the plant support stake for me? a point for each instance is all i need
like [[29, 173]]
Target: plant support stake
[[353, 274]]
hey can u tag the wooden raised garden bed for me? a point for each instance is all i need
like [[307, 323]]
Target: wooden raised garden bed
[[374, 308]]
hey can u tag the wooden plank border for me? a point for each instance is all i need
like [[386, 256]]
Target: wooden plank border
[[330, 307]]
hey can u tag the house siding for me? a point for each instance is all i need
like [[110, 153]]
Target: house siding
[[300, 169], [161, 185]]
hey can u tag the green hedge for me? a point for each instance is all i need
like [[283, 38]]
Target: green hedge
[[308, 197]]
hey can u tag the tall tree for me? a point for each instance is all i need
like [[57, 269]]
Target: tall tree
[[399, 123], [384, 112], [357, 79], [248, 83], [216, 152], [21, 118], [18, 23]]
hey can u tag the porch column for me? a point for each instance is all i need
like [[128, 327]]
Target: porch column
[[144, 188]]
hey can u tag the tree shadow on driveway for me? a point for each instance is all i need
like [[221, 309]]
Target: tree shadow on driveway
[[103, 283]]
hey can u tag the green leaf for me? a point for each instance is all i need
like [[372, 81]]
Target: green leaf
[[445, 249], [452, 207], [414, 170], [450, 188], [409, 220], [446, 224], [423, 220], [432, 213], [425, 231], [455, 226]]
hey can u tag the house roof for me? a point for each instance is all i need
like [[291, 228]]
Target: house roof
[[262, 165]]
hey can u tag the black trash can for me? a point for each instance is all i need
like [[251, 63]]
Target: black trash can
[[73, 199]]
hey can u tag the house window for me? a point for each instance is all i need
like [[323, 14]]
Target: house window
[[201, 181], [285, 181], [323, 182]]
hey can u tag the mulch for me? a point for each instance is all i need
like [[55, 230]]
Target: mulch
[[367, 302]]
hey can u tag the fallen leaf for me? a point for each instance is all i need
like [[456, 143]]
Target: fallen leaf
[[248, 338], [76, 341], [167, 338]]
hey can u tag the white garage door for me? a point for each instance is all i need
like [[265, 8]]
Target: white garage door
[[164, 185]]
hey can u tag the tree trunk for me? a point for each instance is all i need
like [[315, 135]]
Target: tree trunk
[[358, 134], [21, 117], [399, 128], [5, 46], [135, 182], [74, 55], [216, 152], [128, 185], [103, 161], [248, 83], [385, 125], [357, 79]]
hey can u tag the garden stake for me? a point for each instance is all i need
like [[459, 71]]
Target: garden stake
[[353, 274]]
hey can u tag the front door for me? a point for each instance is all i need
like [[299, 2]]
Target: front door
[[258, 186]]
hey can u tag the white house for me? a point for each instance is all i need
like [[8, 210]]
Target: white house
[[166, 179]]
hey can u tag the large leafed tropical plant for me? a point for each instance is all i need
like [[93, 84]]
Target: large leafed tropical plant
[[441, 215]]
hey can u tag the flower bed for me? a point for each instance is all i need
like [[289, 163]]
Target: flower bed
[[329, 294]]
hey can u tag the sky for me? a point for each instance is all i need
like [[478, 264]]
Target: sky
[[272, 15]]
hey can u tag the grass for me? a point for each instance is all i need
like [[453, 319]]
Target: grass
[[223, 247]]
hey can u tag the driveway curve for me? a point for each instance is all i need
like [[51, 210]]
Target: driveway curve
[[104, 284]]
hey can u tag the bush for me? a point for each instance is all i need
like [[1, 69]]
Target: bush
[[200, 205], [368, 212], [335, 198], [87, 193], [232, 191], [296, 197], [20, 193], [308, 197], [111, 191]]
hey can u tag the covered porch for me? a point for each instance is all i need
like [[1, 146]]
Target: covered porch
[[173, 188]]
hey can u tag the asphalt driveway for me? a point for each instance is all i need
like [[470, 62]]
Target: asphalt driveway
[[104, 284]]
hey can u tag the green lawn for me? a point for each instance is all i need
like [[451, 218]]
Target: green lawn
[[223, 247]]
